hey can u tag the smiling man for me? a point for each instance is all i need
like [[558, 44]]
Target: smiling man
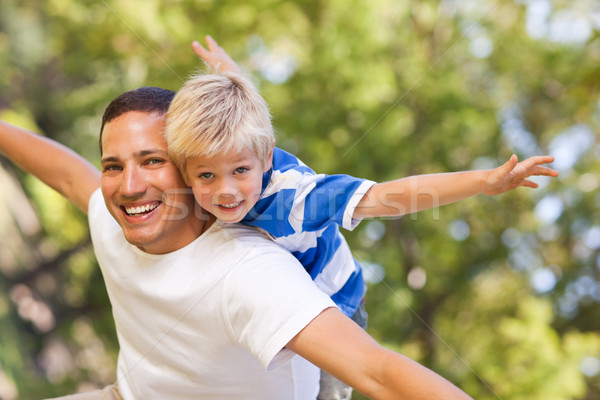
[[142, 190], [181, 321], [203, 309]]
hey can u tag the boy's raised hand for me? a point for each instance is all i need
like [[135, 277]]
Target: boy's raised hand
[[215, 56], [514, 174]]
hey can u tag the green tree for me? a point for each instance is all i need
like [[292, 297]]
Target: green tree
[[499, 294]]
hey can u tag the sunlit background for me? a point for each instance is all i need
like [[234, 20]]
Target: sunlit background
[[499, 294]]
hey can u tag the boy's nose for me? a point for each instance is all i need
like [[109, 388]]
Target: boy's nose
[[227, 187], [227, 190]]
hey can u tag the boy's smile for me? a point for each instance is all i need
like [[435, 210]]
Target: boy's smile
[[226, 185]]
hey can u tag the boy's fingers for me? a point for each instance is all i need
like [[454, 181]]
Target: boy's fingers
[[534, 166], [510, 164], [212, 43], [198, 49], [546, 171], [540, 170], [546, 159], [538, 160], [529, 183]]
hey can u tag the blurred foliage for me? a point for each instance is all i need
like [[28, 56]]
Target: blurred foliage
[[499, 294]]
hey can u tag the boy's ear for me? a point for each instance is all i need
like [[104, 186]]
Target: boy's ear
[[269, 163], [184, 175]]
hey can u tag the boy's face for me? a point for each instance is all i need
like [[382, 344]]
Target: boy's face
[[227, 185]]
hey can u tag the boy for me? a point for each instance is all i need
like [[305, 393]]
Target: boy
[[219, 134], [203, 309]]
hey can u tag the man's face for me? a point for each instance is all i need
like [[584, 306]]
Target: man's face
[[142, 189]]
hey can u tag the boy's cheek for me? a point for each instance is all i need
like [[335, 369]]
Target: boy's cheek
[[202, 195]]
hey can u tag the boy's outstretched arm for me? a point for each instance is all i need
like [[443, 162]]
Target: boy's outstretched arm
[[215, 56], [420, 192], [56, 165], [337, 345]]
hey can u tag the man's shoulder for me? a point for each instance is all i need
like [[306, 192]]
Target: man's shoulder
[[95, 200], [98, 214], [246, 238], [248, 251]]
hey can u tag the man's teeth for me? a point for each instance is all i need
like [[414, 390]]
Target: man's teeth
[[141, 209], [231, 205]]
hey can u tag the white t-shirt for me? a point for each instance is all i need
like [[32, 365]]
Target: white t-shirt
[[210, 320]]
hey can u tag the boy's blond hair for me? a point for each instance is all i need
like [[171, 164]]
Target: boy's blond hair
[[216, 113]]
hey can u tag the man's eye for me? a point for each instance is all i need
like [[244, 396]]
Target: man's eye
[[155, 161], [241, 170], [108, 168]]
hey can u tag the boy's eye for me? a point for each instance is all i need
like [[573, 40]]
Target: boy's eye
[[205, 175], [241, 170]]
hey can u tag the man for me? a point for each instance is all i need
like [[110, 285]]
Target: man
[[223, 327]]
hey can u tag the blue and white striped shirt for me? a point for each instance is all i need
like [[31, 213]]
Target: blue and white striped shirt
[[303, 210]]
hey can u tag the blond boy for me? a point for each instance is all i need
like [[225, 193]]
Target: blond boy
[[219, 134]]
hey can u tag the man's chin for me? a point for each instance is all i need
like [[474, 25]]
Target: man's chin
[[138, 231], [143, 241]]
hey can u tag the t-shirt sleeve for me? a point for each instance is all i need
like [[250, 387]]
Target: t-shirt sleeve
[[348, 221], [270, 299], [95, 206], [301, 201]]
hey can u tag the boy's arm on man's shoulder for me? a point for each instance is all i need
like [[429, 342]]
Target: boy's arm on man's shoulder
[[56, 165], [339, 346]]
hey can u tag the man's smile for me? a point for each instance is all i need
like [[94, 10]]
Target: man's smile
[[136, 211]]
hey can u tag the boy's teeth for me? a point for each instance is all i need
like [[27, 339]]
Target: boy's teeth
[[230, 205], [141, 209]]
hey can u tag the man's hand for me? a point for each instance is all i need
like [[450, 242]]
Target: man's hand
[[514, 174], [215, 56]]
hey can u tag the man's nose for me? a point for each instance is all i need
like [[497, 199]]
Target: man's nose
[[133, 182]]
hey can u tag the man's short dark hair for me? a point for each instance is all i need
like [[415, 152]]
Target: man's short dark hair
[[148, 99]]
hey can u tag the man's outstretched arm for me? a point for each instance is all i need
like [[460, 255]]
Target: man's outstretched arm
[[337, 345], [56, 165]]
